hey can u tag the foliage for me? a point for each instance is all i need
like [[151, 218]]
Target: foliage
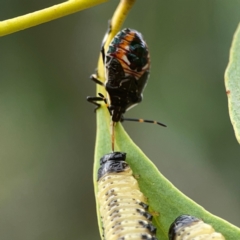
[[166, 202], [232, 83]]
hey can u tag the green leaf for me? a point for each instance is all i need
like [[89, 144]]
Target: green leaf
[[232, 83], [165, 201]]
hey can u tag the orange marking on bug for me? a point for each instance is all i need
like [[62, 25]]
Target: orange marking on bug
[[141, 120], [120, 53], [127, 69], [125, 41], [120, 56], [124, 44], [228, 92], [129, 36]]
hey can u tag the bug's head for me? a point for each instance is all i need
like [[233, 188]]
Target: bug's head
[[180, 222], [112, 162], [116, 156]]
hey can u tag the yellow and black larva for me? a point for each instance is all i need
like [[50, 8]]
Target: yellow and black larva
[[187, 227], [123, 207]]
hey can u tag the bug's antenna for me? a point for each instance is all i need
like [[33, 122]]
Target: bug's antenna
[[143, 120]]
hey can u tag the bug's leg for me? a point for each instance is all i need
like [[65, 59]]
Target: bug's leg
[[109, 30], [105, 38], [105, 100], [103, 54], [94, 78], [94, 100]]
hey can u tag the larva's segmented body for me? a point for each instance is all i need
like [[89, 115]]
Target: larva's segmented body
[[123, 207], [187, 227]]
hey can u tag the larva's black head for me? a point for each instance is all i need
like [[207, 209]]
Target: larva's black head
[[112, 162], [181, 221]]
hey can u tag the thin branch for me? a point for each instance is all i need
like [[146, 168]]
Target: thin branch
[[117, 20], [45, 15]]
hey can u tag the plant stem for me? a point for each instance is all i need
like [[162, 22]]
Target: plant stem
[[45, 15]]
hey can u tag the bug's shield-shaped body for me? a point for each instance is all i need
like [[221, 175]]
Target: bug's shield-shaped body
[[127, 66], [187, 227], [123, 207]]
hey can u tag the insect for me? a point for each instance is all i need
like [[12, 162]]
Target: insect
[[127, 64], [123, 207], [187, 227]]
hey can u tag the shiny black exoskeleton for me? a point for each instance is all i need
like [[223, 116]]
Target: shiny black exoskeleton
[[127, 66]]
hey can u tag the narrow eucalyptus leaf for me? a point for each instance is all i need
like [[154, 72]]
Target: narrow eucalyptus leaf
[[232, 83], [166, 201]]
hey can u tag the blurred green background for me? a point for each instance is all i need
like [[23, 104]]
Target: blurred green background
[[47, 129]]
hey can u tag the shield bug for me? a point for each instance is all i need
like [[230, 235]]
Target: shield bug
[[127, 64]]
